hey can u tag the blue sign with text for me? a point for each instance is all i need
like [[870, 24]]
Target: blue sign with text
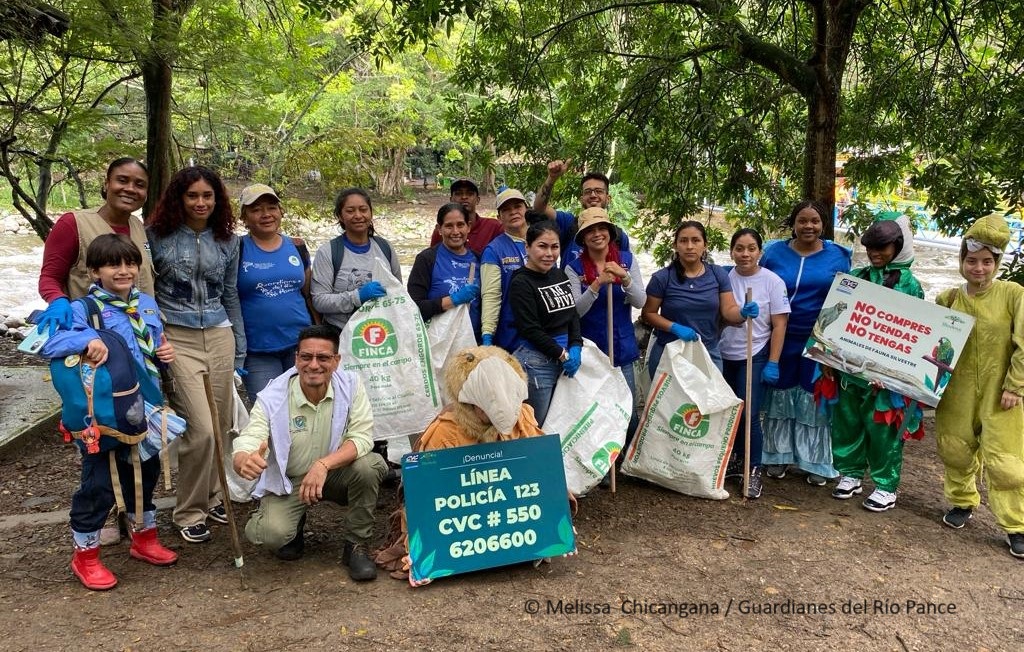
[[486, 505]]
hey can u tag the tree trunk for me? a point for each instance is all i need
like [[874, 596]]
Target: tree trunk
[[157, 76], [820, 153], [392, 181], [487, 180]]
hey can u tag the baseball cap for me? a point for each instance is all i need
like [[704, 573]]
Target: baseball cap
[[251, 193], [508, 195], [464, 182]]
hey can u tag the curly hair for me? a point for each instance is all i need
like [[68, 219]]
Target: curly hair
[[170, 211]]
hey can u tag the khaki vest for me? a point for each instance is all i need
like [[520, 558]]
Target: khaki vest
[[90, 225]]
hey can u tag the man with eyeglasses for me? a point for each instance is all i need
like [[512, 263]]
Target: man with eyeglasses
[[309, 439], [593, 192], [481, 229]]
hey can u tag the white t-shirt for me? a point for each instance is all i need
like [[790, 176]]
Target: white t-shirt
[[769, 292]]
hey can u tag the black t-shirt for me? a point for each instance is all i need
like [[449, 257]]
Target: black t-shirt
[[543, 308]]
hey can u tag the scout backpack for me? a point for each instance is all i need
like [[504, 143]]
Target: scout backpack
[[103, 405]]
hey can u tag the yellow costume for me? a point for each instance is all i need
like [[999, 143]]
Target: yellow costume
[[972, 428]]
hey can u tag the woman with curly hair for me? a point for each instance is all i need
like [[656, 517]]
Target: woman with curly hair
[[195, 255]]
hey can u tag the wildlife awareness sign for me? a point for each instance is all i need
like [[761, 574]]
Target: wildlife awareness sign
[[907, 344], [385, 343], [485, 505]]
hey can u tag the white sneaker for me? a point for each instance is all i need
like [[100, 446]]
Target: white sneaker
[[847, 488], [880, 501]]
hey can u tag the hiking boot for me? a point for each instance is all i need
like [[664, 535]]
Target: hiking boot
[[147, 547], [756, 483], [847, 488], [360, 567], [294, 549], [1016, 541], [957, 517], [880, 500], [218, 514], [197, 533], [777, 471], [87, 567], [816, 480]]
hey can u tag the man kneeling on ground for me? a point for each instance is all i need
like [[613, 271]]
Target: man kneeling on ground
[[309, 439]]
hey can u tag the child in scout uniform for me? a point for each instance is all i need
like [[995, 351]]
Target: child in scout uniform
[[113, 261]]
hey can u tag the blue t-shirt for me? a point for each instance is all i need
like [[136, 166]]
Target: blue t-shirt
[[509, 255], [807, 279], [451, 272], [270, 291], [692, 302]]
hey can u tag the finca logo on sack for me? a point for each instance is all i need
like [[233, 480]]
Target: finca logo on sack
[[688, 422], [374, 338]]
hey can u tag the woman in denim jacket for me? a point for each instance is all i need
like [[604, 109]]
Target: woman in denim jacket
[[195, 255]]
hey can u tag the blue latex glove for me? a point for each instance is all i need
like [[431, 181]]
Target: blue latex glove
[[770, 373], [465, 294], [242, 371], [572, 365], [56, 316], [372, 290], [750, 310], [685, 333], [487, 339]]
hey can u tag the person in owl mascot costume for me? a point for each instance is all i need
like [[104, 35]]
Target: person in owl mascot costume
[[979, 421], [869, 422], [488, 387]]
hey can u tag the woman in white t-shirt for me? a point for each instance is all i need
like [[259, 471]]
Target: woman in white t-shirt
[[769, 331]]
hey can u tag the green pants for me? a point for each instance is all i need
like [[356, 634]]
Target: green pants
[[859, 443], [356, 485]]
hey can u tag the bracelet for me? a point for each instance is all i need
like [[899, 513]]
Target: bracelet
[[323, 464]]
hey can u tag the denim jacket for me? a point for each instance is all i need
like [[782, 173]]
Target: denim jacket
[[196, 281]]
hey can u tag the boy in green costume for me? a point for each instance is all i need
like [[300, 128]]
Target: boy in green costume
[[869, 422]]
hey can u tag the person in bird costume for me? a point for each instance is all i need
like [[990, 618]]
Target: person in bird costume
[[869, 422], [980, 422]]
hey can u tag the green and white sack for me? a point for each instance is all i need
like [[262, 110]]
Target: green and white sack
[[590, 412], [385, 342], [688, 428]]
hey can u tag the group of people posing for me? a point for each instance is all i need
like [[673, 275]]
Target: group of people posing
[[192, 298]]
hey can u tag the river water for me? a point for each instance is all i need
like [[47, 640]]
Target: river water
[[21, 256]]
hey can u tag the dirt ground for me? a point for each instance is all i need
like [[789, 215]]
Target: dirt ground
[[751, 570], [795, 570]]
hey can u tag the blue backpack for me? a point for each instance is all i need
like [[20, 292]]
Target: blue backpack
[[103, 405]]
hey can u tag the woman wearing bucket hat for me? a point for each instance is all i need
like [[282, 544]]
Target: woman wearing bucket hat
[[979, 423], [604, 268], [273, 288]]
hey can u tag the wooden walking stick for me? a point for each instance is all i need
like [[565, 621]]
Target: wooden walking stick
[[611, 358], [236, 545], [746, 407]]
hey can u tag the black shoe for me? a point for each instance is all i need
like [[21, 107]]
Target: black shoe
[[756, 485], [1016, 542], [218, 514], [360, 567], [957, 517], [294, 549], [197, 533], [734, 469]]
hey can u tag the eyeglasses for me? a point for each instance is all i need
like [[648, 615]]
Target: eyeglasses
[[593, 191], [322, 358]]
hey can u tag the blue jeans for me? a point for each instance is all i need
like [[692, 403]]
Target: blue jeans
[[657, 348], [735, 372], [265, 367], [542, 375]]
